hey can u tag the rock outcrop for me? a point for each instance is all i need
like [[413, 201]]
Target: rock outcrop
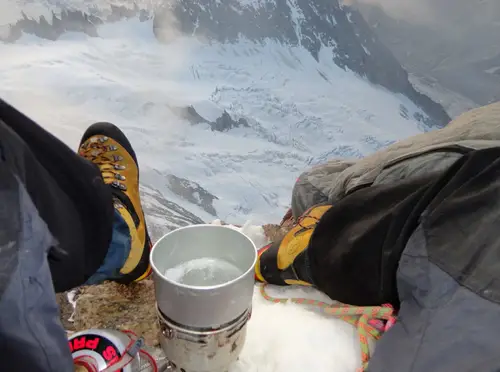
[[223, 123]]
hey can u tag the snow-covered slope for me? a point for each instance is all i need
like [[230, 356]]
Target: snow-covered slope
[[299, 111]]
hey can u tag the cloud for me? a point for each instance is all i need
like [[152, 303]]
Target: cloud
[[417, 11]]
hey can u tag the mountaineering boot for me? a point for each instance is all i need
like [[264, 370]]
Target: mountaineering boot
[[285, 262], [107, 147]]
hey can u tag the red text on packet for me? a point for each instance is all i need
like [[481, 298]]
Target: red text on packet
[[109, 353], [83, 343]]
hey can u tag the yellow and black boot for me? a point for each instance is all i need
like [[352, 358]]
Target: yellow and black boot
[[285, 262], [107, 147]]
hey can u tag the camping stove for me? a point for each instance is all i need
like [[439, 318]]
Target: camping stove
[[190, 349], [203, 326]]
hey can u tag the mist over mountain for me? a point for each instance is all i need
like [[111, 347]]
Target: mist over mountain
[[454, 43]]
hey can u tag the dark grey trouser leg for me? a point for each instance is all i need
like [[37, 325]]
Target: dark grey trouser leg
[[31, 335], [442, 326], [448, 278]]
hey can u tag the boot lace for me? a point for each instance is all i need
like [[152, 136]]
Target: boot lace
[[96, 151]]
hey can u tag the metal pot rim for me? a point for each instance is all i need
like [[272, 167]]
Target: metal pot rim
[[200, 287]]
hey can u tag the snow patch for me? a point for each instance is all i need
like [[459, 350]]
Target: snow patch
[[256, 4], [71, 295], [254, 232], [297, 18]]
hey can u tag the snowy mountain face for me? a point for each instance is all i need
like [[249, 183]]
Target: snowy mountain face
[[312, 24], [225, 102]]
